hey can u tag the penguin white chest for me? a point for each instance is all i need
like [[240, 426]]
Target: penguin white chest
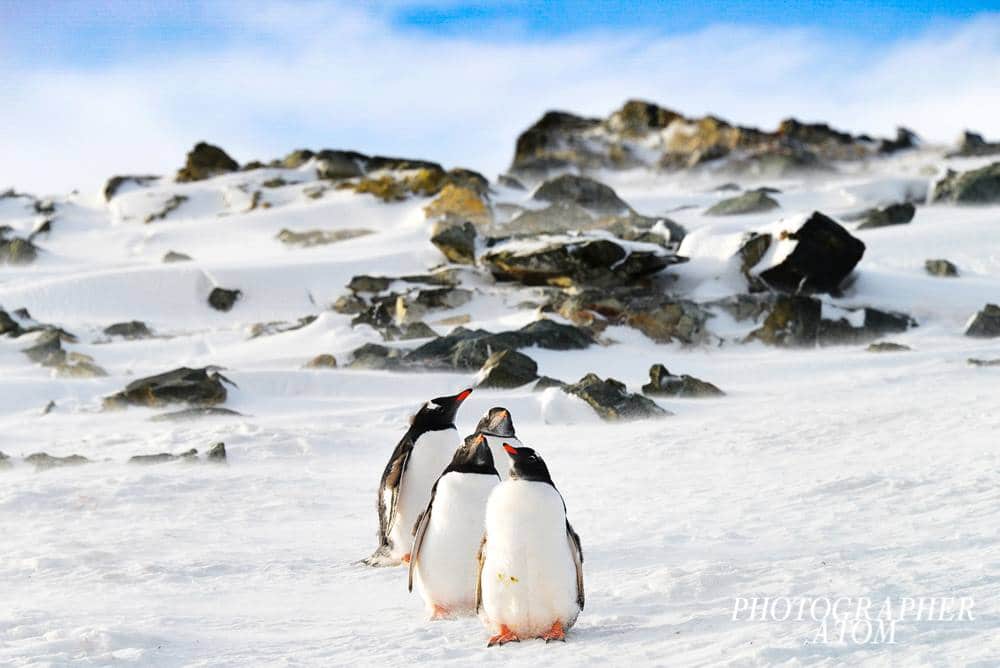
[[431, 455], [529, 575], [445, 572]]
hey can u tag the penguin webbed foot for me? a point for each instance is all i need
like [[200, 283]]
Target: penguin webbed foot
[[440, 612], [380, 558], [505, 636], [556, 632]]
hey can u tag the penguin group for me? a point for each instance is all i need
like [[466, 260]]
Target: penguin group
[[480, 525]]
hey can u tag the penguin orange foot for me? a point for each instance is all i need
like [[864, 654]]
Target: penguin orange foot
[[406, 558], [440, 612], [556, 632], [505, 636]]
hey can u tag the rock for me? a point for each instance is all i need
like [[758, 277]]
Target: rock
[[410, 331], [978, 186], [162, 457], [651, 311], [754, 247], [276, 182], [173, 256], [549, 143], [973, 144], [792, 321], [43, 461], [459, 203], [424, 182], [799, 321], [205, 161], [172, 204], [4, 461], [47, 349], [886, 347], [77, 365], [545, 382], [222, 299], [612, 401], [583, 260], [309, 238], [585, 192], [373, 284], [978, 362], [201, 387], [509, 181], [323, 361], [280, 327], [456, 240], [9, 326], [115, 182], [49, 407], [663, 383], [217, 453], [636, 118], [374, 356], [337, 165], [986, 323], [753, 201], [507, 369], [941, 268], [349, 305], [297, 158], [195, 413], [824, 255], [134, 329], [905, 139], [45, 227], [17, 251], [894, 214]]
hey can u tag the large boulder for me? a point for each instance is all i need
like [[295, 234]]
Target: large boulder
[[665, 384], [205, 161], [507, 369], [587, 259], [612, 401], [202, 387], [592, 195], [456, 240], [656, 314], [824, 255], [223, 299], [459, 204], [986, 323], [977, 186]]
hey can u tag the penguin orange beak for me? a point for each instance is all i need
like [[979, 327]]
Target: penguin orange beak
[[511, 450], [463, 395]]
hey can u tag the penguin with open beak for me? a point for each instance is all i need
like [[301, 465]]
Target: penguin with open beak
[[443, 558], [422, 454], [530, 581]]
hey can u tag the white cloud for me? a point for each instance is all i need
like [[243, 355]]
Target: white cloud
[[331, 76]]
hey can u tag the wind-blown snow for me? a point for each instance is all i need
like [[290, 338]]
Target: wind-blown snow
[[829, 472]]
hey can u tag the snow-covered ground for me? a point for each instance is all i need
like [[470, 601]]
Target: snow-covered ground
[[831, 472]]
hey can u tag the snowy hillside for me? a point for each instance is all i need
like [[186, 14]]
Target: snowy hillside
[[829, 467]]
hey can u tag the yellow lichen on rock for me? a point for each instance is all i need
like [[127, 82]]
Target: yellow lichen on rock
[[459, 202]]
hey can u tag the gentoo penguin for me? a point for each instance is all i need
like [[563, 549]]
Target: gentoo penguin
[[498, 428], [530, 582], [416, 463], [448, 534]]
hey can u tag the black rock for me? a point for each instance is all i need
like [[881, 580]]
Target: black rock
[[977, 186], [17, 251], [456, 240], [752, 201], [9, 326], [222, 299], [664, 383], [134, 329], [545, 382], [507, 369], [217, 453], [373, 284], [941, 268], [986, 323], [824, 256], [978, 362], [973, 144], [205, 161], [202, 387], [792, 321], [612, 401], [894, 214], [336, 165], [172, 256]]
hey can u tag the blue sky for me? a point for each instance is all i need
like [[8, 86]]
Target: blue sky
[[101, 87]]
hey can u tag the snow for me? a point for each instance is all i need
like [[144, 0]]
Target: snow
[[829, 472]]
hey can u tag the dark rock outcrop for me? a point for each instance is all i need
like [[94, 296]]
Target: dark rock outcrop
[[201, 387], [216, 453], [977, 186], [507, 369], [612, 401], [973, 144], [894, 214], [980, 362], [664, 383], [456, 240], [986, 323], [134, 329], [17, 251], [753, 201], [205, 161], [585, 192], [162, 457], [173, 256]]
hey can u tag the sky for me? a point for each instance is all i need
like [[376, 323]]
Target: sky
[[93, 89]]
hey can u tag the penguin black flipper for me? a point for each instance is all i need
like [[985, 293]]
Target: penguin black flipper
[[390, 486], [577, 551], [423, 521], [481, 558]]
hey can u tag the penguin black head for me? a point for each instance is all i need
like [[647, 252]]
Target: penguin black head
[[439, 413], [473, 456], [497, 422], [526, 464]]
